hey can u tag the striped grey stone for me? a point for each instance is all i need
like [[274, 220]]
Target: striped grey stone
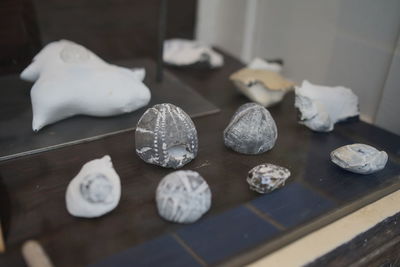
[[267, 177], [252, 130]]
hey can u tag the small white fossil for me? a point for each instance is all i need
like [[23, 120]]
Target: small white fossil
[[71, 80], [322, 106], [264, 87], [359, 158], [183, 197], [267, 177], [182, 52], [95, 190]]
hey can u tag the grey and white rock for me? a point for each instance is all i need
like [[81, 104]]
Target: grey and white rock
[[182, 52], [95, 191], [183, 197], [267, 177], [166, 136], [252, 130], [322, 106], [359, 158]]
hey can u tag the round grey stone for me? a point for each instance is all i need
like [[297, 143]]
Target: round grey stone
[[252, 130], [359, 158], [166, 136], [183, 197], [267, 177]]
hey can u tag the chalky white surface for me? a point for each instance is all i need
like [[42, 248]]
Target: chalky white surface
[[183, 197], [261, 64], [322, 106], [95, 191], [71, 80], [267, 177], [183, 52], [359, 158]]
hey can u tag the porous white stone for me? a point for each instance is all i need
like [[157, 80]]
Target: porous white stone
[[359, 158], [71, 80], [267, 177], [261, 64], [182, 52], [166, 136], [183, 197], [95, 190], [252, 130], [322, 106]]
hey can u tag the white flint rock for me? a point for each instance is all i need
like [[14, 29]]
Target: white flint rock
[[181, 52], [267, 177], [183, 197], [95, 190], [71, 80], [359, 158], [322, 106]]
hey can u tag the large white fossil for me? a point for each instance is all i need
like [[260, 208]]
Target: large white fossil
[[71, 80], [322, 106], [95, 190]]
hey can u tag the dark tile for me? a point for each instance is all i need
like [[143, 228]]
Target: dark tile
[[163, 251], [293, 204], [375, 136], [219, 237], [340, 184]]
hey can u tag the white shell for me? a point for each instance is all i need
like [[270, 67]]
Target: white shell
[[267, 177], [95, 191], [183, 52], [71, 80], [359, 158], [322, 106], [183, 197]]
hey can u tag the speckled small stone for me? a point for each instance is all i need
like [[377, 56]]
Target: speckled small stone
[[267, 177], [252, 130], [359, 158], [166, 136], [183, 197]]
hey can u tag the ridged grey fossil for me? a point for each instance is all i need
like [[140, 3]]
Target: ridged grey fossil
[[252, 130], [166, 136]]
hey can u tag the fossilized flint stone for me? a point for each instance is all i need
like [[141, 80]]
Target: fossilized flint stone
[[267, 177], [252, 130], [166, 136], [320, 107], [359, 158], [183, 197]]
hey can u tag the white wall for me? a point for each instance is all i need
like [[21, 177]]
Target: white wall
[[336, 42]]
